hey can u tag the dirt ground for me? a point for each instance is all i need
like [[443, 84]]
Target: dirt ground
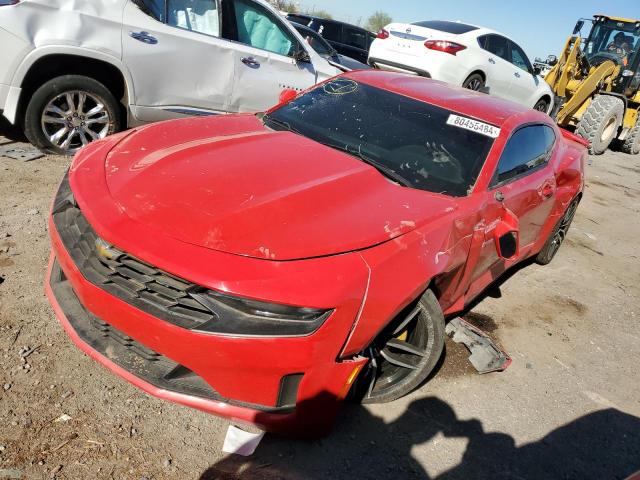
[[568, 407]]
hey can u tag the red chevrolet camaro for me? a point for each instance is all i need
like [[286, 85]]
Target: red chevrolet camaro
[[262, 267]]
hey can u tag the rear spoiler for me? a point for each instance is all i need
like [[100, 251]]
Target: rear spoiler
[[572, 136]]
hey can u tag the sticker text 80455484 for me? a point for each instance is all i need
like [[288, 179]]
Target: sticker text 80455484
[[473, 125]]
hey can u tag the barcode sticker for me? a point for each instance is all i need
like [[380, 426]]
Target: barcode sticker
[[473, 125]]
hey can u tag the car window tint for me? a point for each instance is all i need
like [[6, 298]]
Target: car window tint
[[413, 139], [258, 28], [519, 58], [153, 8], [526, 150], [449, 27], [498, 46], [196, 15], [315, 41], [355, 38], [304, 20], [331, 31]]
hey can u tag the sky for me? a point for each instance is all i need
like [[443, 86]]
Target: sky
[[539, 26]]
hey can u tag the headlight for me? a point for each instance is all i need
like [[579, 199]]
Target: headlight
[[64, 198], [243, 316]]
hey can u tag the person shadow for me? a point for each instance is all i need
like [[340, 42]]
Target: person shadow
[[601, 445]]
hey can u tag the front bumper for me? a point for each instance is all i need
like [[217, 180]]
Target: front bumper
[[289, 384]]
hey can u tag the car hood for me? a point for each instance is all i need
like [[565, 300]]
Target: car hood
[[232, 185]]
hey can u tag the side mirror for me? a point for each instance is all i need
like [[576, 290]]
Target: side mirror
[[578, 27], [302, 56], [287, 95], [507, 234]]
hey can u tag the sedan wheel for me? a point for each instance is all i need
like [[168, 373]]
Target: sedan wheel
[[69, 112], [474, 82], [404, 355]]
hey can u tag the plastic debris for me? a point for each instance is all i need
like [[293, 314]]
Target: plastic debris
[[485, 356], [241, 442]]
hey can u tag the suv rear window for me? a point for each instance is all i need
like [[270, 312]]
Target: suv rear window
[[449, 27]]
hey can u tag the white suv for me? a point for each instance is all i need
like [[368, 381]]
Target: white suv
[[72, 72], [473, 57]]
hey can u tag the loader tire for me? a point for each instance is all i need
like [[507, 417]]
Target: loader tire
[[631, 144], [600, 122]]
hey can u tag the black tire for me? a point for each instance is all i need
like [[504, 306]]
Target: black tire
[[384, 381], [104, 122], [542, 105], [631, 143], [600, 122], [474, 82], [558, 235]]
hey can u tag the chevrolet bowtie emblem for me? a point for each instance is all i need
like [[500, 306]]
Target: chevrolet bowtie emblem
[[106, 251]]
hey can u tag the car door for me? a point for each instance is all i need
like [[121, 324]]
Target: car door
[[355, 43], [523, 185], [498, 64], [265, 51], [524, 83], [176, 57]]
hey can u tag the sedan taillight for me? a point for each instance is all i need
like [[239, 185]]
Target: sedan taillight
[[382, 34], [444, 46]]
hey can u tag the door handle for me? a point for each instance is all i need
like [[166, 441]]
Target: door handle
[[491, 60], [250, 62], [144, 37], [517, 75]]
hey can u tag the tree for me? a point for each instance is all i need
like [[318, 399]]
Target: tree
[[377, 21], [322, 14], [284, 5]]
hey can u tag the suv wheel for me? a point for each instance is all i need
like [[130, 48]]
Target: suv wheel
[[68, 112]]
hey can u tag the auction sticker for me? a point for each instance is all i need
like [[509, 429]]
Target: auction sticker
[[473, 125]]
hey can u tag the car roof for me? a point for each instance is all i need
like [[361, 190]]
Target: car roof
[[490, 109]]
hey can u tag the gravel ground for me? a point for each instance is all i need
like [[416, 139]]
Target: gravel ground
[[568, 407]]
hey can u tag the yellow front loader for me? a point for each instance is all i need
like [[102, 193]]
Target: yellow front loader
[[597, 83]]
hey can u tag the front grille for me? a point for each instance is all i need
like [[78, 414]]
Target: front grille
[[134, 281], [123, 350], [145, 363]]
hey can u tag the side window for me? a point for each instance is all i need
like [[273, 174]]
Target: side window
[[331, 31], [153, 8], [498, 46], [527, 149], [519, 58], [200, 16], [257, 28], [355, 38]]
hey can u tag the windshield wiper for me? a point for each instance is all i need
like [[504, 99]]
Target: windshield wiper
[[280, 123], [386, 171]]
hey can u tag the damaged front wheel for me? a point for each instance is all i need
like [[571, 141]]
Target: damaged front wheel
[[405, 353]]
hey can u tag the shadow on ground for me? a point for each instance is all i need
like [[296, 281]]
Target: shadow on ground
[[604, 444]]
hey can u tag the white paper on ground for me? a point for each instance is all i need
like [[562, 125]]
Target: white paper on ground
[[240, 442]]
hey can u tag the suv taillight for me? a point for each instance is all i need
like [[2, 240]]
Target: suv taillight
[[444, 46], [382, 33]]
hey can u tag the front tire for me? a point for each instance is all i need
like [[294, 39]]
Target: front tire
[[68, 112], [631, 143], [600, 122], [558, 235], [405, 353]]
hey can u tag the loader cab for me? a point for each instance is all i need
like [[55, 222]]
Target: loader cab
[[618, 40]]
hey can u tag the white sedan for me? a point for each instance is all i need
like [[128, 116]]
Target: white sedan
[[473, 57]]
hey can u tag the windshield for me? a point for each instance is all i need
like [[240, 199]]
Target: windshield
[[413, 143], [315, 41], [613, 40]]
